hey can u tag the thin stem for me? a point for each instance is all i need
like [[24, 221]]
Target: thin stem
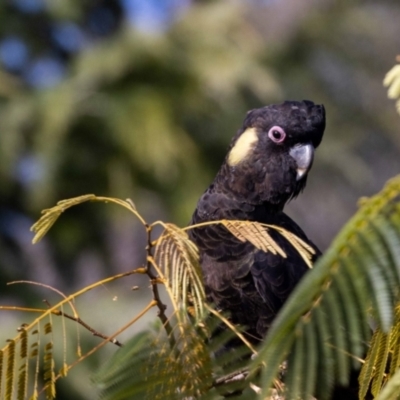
[[68, 299], [85, 325], [104, 342], [154, 280]]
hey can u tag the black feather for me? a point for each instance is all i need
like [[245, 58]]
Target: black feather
[[248, 283]]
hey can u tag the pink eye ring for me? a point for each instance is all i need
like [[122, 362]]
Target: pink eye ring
[[277, 134]]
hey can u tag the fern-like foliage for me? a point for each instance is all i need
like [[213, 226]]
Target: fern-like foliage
[[124, 375], [28, 349], [383, 358], [354, 286], [351, 297], [392, 388], [146, 368], [181, 357], [177, 263]]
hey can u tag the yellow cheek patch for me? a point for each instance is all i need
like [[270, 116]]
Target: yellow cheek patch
[[243, 146]]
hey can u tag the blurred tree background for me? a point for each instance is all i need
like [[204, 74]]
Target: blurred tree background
[[140, 98]]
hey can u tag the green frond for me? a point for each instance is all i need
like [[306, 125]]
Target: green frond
[[147, 368], [395, 345], [185, 369], [382, 355], [321, 330], [310, 362], [351, 313], [297, 360], [230, 358], [122, 377], [178, 260], [367, 372], [325, 364], [335, 310], [392, 388], [356, 281]]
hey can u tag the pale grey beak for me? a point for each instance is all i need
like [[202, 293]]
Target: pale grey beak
[[303, 155]]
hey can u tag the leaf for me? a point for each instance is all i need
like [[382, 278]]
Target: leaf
[[178, 261], [11, 355], [22, 385], [367, 372], [255, 233], [305, 251], [146, 368], [392, 388], [122, 377], [380, 363], [360, 251], [185, 370], [48, 365], [51, 215]]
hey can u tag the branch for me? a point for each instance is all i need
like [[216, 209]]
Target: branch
[[154, 280], [85, 325], [104, 342]]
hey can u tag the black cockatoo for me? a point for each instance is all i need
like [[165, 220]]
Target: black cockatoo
[[266, 166]]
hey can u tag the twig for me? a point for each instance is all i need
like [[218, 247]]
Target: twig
[[154, 280], [85, 325], [232, 328], [233, 377], [243, 374], [104, 342]]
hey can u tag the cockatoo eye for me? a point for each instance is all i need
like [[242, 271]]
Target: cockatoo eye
[[277, 134]]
